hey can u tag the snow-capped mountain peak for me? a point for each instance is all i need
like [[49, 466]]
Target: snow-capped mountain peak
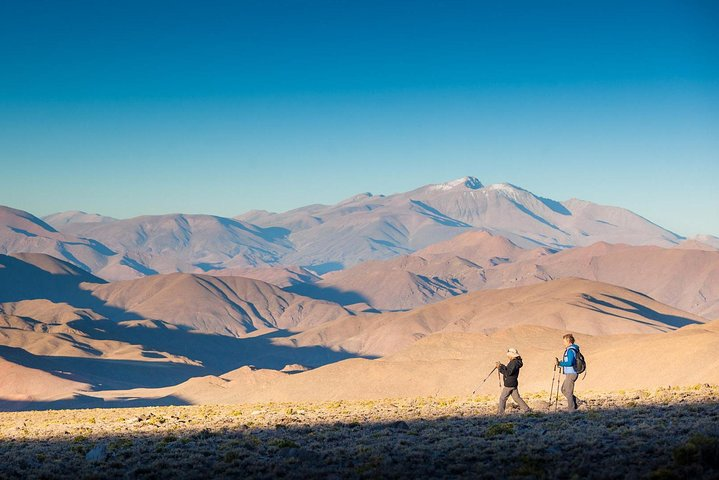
[[509, 190], [471, 183]]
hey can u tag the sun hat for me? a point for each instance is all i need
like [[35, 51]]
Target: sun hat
[[512, 352]]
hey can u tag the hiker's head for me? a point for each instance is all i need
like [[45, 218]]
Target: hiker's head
[[512, 353], [568, 339]]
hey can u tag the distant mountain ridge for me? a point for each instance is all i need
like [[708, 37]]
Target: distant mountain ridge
[[323, 237], [371, 227], [685, 276]]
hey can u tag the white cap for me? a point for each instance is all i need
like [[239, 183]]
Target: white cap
[[512, 352]]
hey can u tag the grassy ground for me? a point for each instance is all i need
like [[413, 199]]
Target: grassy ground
[[668, 433]]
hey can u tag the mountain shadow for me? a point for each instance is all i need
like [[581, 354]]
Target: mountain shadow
[[331, 294], [211, 355], [206, 354], [461, 443], [673, 321]]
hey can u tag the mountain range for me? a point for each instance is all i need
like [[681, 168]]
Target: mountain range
[[685, 276], [321, 238], [375, 296]]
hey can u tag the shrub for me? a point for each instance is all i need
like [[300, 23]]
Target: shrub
[[119, 444], [663, 474], [499, 429], [284, 443], [531, 467], [231, 456], [699, 449]]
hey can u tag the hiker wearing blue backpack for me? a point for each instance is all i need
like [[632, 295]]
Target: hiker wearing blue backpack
[[572, 365]]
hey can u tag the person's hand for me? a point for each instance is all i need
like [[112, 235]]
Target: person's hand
[[497, 364], [556, 360]]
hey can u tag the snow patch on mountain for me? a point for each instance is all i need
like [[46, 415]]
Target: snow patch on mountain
[[471, 183]]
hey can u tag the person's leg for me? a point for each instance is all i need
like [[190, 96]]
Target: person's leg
[[568, 390], [506, 392], [575, 376], [519, 401]]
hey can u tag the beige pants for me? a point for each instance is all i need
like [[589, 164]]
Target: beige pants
[[568, 391], [514, 392]]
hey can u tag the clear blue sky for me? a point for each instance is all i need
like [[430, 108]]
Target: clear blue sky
[[126, 108]]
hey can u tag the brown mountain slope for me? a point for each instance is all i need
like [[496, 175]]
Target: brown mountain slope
[[23, 232], [83, 346], [42, 327], [23, 384], [35, 275], [151, 332], [573, 304], [480, 247], [280, 276], [442, 270], [202, 303], [687, 279], [220, 305], [454, 364]]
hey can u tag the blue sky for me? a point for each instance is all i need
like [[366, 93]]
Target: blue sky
[[129, 108]]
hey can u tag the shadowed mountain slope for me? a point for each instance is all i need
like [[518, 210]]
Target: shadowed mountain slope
[[687, 279], [455, 363], [65, 329], [573, 304], [231, 306], [442, 270]]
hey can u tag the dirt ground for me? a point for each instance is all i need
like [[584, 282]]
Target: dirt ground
[[661, 434]]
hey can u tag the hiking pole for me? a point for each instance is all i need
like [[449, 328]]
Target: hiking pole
[[485, 379], [556, 401], [551, 389]]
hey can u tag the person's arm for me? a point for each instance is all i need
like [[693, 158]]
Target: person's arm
[[502, 368], [512, 368], [570, 358]]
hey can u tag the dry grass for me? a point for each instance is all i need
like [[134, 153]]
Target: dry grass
[[667, 433]]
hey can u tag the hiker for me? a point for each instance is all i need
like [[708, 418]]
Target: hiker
[[568, 364], [511, 384]]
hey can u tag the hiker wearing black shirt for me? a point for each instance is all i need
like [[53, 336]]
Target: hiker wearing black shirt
[[511, 383]]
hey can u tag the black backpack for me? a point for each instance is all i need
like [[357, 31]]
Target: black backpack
[[580, 364]]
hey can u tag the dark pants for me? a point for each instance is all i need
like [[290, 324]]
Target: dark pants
[[506, 392], [568, 391]]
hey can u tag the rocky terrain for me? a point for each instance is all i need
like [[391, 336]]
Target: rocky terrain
[[662, 434]]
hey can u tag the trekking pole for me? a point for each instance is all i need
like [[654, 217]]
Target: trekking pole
[[556, 401], [551, 389], [485, 379]]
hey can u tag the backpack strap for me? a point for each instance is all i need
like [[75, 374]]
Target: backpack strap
[[576, 350]]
